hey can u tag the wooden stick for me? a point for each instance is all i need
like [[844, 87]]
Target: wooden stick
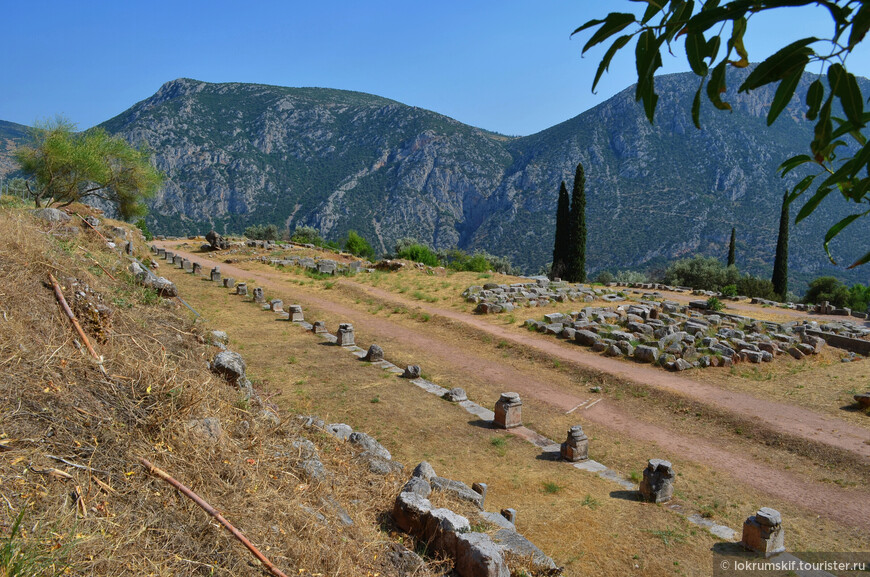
[[211, 511], [92, 226], [59, 294]]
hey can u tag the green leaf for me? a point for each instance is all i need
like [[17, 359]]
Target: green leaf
[[716, 87], [812, 203], [696, 107], [780, 64], [783, 94], [801, 187], [845, 86], [648, 59], [823, 130], [793, 163], [835, 230], [863, 260], [613, 23], [815, 93], [604, 65], [696, 51], [587, 25], [709, 17], [860, 25], [653, 8]]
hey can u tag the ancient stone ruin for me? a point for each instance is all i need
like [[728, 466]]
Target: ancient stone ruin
[[412, 372], [242, 289], [345, 335], [657, 485], [474, 554], [259, 297], [508, 411], [229, 282], [763, 532], [296, 315], [375, 354], [576, 446], [276, 305], [318, 328], [215, 274], [216, 241]]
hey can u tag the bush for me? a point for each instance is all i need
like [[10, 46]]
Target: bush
[[754, 287], [418, 253], [859, 297], [143, 227], [604, 277], [261, 232], [705, 273], [307, 235], [714, 304], [630, 277], [358, 246], [729, 290], [827, 288]]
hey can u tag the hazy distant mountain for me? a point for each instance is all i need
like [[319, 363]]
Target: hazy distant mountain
[[11, 135], [239, 154]]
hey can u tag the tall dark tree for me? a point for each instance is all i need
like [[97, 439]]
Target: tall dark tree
[[563, 234], [576, 268], [780, 263], [732, 254]]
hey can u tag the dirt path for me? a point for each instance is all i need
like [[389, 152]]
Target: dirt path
[[782, 417], [849, 506]]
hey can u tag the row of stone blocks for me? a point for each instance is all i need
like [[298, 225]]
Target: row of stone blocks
[[762, 532]]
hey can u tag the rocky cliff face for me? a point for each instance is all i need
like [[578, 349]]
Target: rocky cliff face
[[241, 154]]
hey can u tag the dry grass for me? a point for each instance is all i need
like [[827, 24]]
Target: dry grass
[[98, 510], [416, 426]]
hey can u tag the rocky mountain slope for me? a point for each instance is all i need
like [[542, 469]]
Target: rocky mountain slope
[[240, 154]]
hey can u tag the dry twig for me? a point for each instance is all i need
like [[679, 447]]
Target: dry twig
[[157, 472]]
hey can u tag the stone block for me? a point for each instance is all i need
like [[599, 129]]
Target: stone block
[[508, 411], [657, 485], [276, 305], [197, 268], [576, 446], [412, 372], [345, 335], [215, 274], [456, 395], [259, 297], [375, 354], [763, 532], [296, 316], [242, 289], [318, 328], [229, 282]]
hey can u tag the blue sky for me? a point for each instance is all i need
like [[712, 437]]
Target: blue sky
[[504, 65]]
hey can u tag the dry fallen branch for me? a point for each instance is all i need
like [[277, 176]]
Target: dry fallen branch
[[60, 298], [157, 472]]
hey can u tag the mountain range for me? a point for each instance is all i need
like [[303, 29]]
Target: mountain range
[[240, 154]]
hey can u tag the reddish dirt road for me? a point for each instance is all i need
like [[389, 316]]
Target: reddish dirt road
[[848, 506]]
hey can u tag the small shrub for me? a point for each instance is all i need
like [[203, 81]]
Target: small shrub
[[591, 502], [307, 235], [262, 232], [729, 290], [714, 304], [418, 253], [604, 277], [358, 246], [551, 488], [143, 228]]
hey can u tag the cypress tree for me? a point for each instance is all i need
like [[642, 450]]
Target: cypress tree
[[563, 225], [780, 263], [576, 265], [731, 248]]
